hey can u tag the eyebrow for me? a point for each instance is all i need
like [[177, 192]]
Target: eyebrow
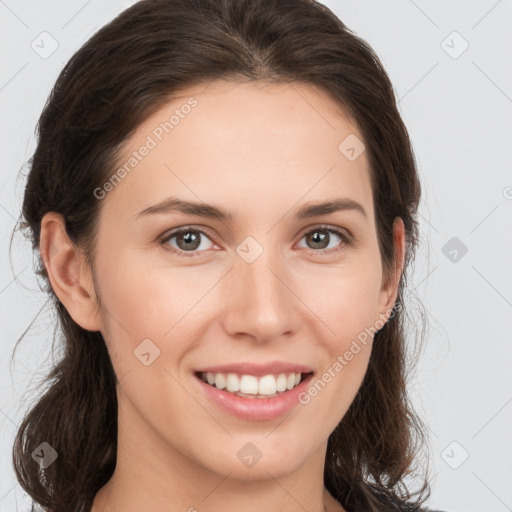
[[173, 204]]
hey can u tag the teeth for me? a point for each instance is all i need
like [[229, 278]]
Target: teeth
[[267, 385], [220, 381], [251, 386], [232, 383], [281, 382]]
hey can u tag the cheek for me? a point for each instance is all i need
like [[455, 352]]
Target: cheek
[[348, 306], [330, 394], [345, 299], [333, 389], [149, 299]]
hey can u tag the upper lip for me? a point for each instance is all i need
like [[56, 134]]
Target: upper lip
[[258, 370]]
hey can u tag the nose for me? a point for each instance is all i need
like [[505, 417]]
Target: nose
[[260, 303]]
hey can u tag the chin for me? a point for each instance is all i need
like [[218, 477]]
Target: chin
[[258, 460]]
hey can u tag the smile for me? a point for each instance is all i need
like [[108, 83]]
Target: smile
[[251, 386]]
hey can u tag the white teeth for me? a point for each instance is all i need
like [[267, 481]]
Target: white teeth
[[232, 383], [220, 381], [267, 385], [281, 382], [251, 386]]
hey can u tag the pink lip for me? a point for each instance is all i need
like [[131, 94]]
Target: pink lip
[[255, 409], [258, 370]]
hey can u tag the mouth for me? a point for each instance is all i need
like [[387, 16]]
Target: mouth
[[252, 386]]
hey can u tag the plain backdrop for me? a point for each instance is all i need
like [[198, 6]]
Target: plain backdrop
[[450, 63]]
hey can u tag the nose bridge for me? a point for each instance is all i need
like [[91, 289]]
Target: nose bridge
[[260, 304]]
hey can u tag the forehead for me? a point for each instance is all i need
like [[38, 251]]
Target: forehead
[[246, 144]]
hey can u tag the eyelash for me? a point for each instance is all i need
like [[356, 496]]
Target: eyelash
[[345, 238]]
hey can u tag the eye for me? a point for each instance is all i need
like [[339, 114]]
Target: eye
[[188, 239], [192, 240], [320, 238]]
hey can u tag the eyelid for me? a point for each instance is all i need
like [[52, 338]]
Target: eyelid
[[344, 234], [347, 239], [183, 229], [327, 227]]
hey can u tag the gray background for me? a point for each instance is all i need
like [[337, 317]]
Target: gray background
[[457, 106]]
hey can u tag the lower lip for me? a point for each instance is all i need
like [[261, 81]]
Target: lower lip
[[255, 409]]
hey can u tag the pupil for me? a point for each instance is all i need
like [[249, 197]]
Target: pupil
[[189, 238], [319, 239]]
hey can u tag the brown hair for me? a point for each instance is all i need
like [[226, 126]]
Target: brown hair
[[121, 76]]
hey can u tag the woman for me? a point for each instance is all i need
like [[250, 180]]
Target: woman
[[263, 367]]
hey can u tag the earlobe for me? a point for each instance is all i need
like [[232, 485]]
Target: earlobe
[[389, 290], [68, 273]]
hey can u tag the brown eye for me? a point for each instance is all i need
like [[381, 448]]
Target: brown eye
[[320, 239], [187, 240]]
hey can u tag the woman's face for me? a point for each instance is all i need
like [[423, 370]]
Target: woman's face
[[265, 290]]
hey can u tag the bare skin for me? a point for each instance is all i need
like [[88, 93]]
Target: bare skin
[[261, 152]]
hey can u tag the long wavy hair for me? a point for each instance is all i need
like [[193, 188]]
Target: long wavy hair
[[126, 72]]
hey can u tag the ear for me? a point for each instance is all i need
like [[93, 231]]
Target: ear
[[389, 290], [69, 275]]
